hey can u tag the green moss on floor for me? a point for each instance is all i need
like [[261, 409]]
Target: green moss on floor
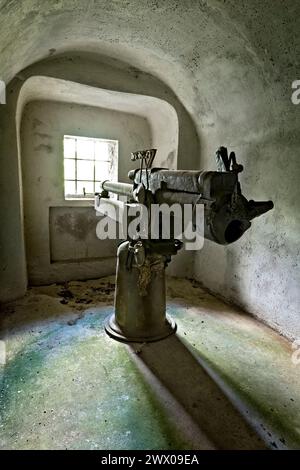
[[67, 385], [252, 360], [255, 364], [72, 387]]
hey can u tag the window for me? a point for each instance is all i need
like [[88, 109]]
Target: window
[[87, 161]]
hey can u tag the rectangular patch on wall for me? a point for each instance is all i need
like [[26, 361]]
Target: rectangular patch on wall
[[73, 236]]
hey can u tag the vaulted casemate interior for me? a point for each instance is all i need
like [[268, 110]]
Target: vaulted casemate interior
[[149, 238]]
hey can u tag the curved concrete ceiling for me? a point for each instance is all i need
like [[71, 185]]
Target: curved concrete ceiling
[[163, 124], [207, 50]]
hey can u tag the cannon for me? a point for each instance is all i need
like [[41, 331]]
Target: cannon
[[142, 257]]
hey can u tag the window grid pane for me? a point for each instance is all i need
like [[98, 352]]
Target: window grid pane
[[69, 147], [93, 162]]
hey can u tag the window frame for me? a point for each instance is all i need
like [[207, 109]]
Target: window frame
[[88, 196]]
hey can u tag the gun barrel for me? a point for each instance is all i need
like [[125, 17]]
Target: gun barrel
[[123, 189], [207, 183], [227, 213]]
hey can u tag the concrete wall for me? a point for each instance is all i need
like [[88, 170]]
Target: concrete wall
[[61, 242], [246, 105]]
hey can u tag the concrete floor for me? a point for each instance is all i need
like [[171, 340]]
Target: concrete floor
[[224, 381]]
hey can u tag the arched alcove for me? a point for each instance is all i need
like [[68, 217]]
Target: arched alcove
[[109, 85], [49, 108]]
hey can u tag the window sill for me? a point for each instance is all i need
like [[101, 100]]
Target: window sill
[[74, 202], [82, 199]]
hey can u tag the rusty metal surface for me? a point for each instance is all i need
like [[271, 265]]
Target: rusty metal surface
[[140, 305]]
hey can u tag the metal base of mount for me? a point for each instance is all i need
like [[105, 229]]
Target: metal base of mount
[[114, 331]]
